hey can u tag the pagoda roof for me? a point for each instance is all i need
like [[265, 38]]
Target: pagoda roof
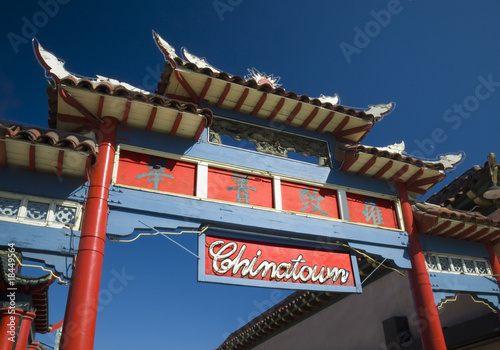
[[46, 151], [77, 103], [193, 79], [392, 164], [36, 286]]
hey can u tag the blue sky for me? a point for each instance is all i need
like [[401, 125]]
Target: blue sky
[[439, 61]]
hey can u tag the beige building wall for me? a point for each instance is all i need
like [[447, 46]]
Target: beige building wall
[[355, 322]]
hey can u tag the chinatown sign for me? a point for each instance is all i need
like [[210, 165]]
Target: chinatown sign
[[275, 265]]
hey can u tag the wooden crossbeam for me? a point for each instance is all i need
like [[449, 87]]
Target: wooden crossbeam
[[399, 173], [294, 113], [241, 100], [453, 230], [100, 107], [177, 122], [152, 118], [414, 177], [310, 118], [224, 94], [259, 104], [440, 228], [367, 166], [126, 113], [32, 158], [60, 161], [205, 90], [327, 120], [276, 109], [203, 123], [186, 86], [3, 153], [383, 170]]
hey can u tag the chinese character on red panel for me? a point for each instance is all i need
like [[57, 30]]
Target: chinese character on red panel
[[309, 200], [372, 211], [236, 187], [156, 173]]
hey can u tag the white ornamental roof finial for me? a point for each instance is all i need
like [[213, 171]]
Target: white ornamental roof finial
[[262, 78]]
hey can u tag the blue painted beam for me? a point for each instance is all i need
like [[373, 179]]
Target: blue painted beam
[[55, 247], [245, 217], [463, 283], [491, 299], [128, 207], [25, 182], [123, 222], [453, 246]]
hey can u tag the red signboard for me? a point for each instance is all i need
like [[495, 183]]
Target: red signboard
[[372, 211], [236, 187], [232, 260], [161, 174], [144, 171], [309, 200]]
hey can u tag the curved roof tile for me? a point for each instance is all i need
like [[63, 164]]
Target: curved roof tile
[[76, 142], [350, 150], [120, 91]]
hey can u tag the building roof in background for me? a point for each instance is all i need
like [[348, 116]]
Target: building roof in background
[[467, 192]]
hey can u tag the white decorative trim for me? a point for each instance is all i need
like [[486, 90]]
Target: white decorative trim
[[394, 148], [49, 219], [342, 204], [262, 78], [202, 180], [49, 61], [199, 62], [167, 50], [381, 110], [334, 100], [55, 67], [278, 204], [450, 160], [456, 264]]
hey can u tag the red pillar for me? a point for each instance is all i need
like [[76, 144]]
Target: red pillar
[[24, 330], [9, 320], [495, 265], [423, 297], [81, 308]]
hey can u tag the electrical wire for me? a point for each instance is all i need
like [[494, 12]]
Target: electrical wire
[[474, 300], [39, 267], [155, 234], [291, 238]]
